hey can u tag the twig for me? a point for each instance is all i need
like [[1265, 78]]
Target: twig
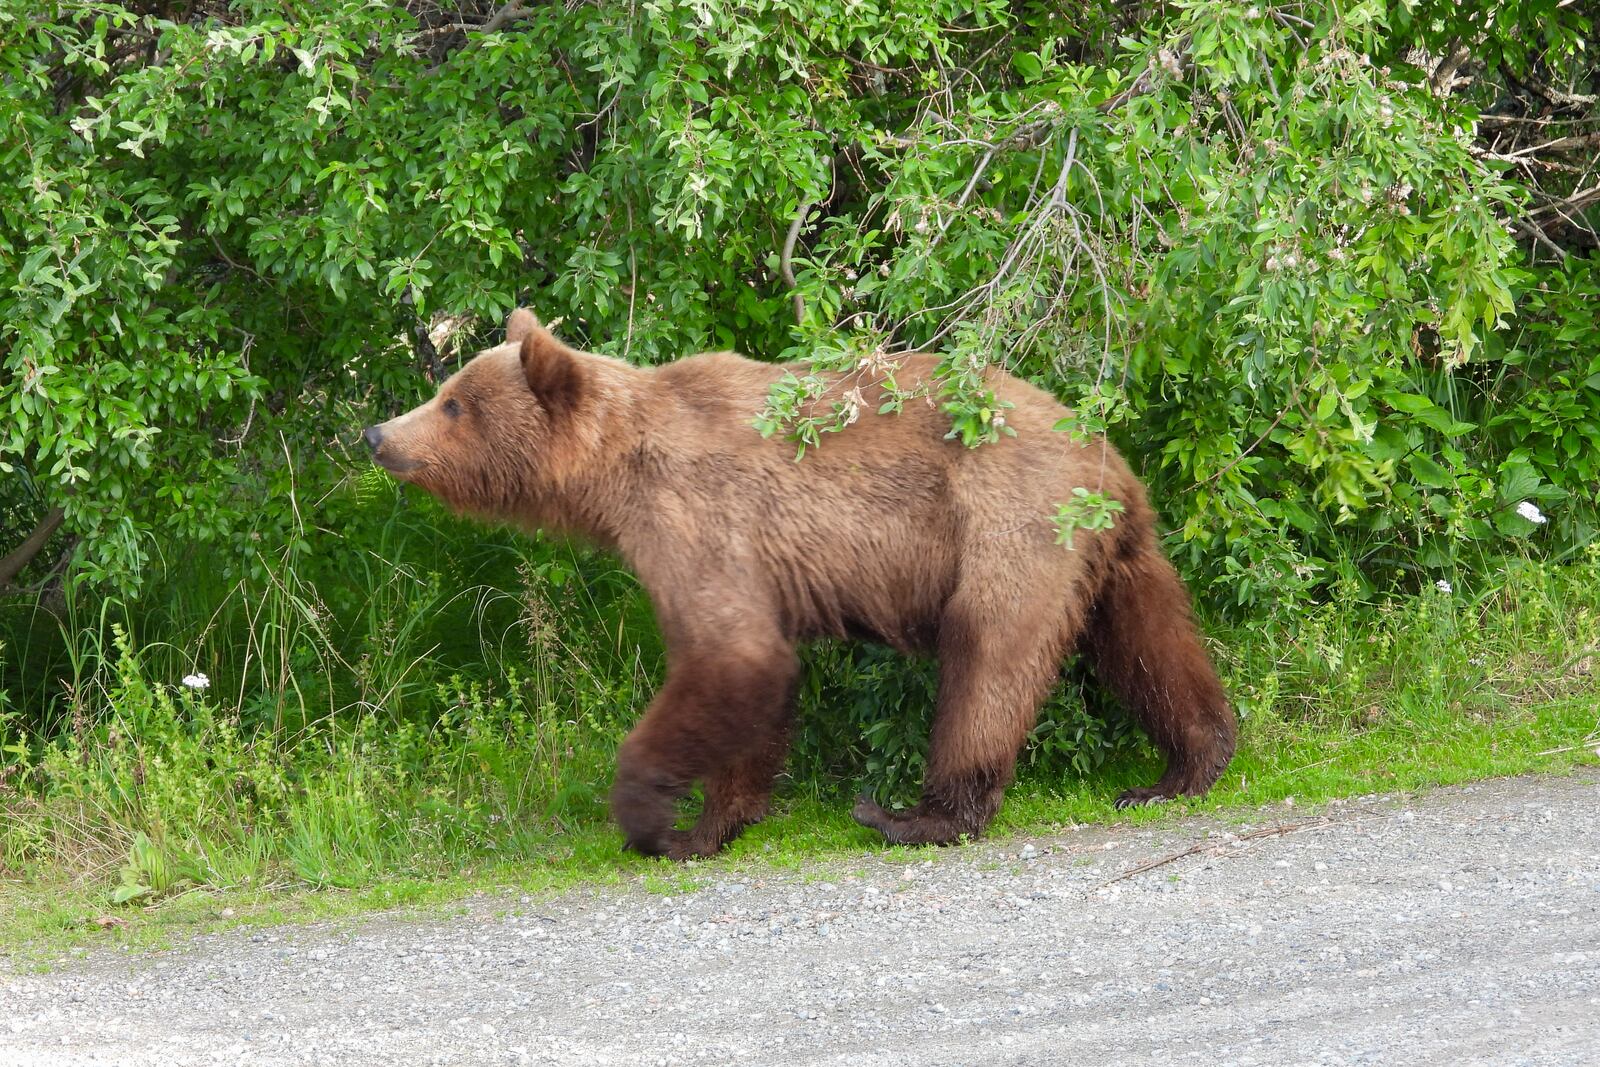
[[1280, 830], [1581, 198], [1576, 142], [1587, 742], [229, 260], [1528, 228], [250, 416], [1141, 85], [786, 258], [1242, 455], [961, 201], [1170, 60]]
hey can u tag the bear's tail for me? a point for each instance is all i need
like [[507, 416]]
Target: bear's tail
[[1143, 645]]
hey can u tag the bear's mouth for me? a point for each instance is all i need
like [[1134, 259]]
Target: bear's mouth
[[399, 466]]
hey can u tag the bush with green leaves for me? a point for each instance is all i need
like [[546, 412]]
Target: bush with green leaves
[[1263, 246]]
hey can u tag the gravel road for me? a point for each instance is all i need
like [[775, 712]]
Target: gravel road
[[1459, 927]]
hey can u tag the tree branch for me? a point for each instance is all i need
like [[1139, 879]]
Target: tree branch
[[13, 564], [1529, 229], [1167, 59], [786, 259], [506, 15], [1443, 78], [498, 21], [1579, 199]]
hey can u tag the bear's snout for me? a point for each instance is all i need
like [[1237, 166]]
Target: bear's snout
[[390, 452]]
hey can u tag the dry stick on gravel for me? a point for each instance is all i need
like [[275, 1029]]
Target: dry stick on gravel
[[1279, 830]]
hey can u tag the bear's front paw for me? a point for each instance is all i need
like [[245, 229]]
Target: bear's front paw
[[682, 845]]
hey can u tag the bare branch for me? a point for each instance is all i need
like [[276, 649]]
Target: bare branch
[[498, 21], [786, 258], [1561, 145], [1530, 229], [505, 16], [1167, 59], [1579, 199], [1443, 78], [19, 557]]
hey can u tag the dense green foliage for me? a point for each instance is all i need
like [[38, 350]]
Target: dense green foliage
[[1325, 271], [1279, 267]]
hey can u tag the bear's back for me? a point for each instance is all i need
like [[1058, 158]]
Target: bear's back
[[874, 527]]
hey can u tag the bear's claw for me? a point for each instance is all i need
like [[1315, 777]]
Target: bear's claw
[[1138, 798], [870, 813]]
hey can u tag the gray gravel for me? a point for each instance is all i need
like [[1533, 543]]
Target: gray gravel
[[1460, 927]]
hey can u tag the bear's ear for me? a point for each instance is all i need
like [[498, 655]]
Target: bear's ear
[[519, 324], [552, 369]]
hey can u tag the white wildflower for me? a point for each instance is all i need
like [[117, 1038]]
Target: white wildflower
[[1530, 511], [196, 681], [1443, 586]]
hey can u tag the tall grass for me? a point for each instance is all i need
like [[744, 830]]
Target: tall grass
[[383, 710]]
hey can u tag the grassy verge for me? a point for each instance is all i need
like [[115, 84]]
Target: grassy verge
[[167, 816]]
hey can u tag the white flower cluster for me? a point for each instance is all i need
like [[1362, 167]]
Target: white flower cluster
[[196, 682], [1530, 511]]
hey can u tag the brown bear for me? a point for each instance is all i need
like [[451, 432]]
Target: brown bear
[[889, 532]]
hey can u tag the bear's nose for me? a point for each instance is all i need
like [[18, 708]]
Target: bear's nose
[[373, 436]]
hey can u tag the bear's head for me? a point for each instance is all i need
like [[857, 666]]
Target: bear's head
[[496, 433]]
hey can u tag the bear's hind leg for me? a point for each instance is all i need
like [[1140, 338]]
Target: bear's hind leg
[[1143, 646], [720, 718], [993, 675]]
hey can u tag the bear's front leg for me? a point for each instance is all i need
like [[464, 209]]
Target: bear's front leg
[[721, 718]]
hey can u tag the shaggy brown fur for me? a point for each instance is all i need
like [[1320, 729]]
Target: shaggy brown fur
[[888, 532]]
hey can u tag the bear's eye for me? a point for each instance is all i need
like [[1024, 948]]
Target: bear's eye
[[452, 407]]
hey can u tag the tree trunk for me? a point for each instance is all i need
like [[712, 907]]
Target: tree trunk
[[12, 565]]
